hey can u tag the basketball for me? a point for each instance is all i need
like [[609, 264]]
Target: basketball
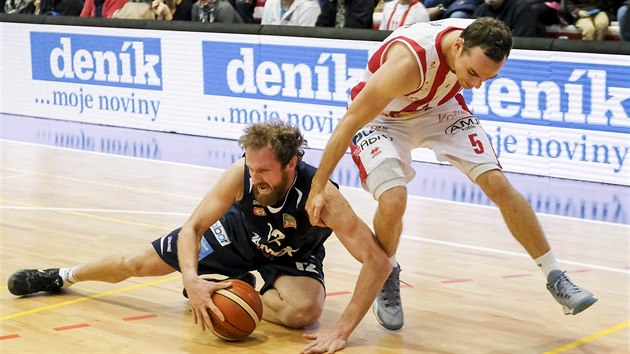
[[242, 308]]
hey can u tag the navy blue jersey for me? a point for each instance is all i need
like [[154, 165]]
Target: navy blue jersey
[[282, 234]]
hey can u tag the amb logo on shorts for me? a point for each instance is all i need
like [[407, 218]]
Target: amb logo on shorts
[[462, 124]]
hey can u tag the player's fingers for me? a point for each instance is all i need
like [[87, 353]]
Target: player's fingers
[[310, 336], [194, 314], [206, 323], [317, 207], [215, 310], [223, 285]]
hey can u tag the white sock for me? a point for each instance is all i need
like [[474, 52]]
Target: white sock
[[67, 274], [393, 261], [547, 262]]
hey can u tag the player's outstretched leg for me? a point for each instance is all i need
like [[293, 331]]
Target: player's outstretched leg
[[388, 307], [31, 281], [572, 298]]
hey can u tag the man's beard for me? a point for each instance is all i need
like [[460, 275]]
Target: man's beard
[[277, 194]]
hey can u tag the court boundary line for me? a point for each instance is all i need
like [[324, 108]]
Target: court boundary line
[[89, 297], [588, 339]]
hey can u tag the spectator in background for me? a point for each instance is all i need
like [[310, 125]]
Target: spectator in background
[[441, 9], [624, 22], [67, 8], [591, 17], [147, 10], [347, 13], [517, 14], [546, 12], [19, 7], [214, 11], [101, 8], [290, 12], [183, 10], [245, 9], [55, 7], [398, 13]]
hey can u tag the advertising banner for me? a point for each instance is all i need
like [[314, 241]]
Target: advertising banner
[[548, 113]]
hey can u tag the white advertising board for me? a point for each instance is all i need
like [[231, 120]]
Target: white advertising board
[[548, 113]]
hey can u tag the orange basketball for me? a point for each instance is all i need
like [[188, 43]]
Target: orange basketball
[[242, 308]]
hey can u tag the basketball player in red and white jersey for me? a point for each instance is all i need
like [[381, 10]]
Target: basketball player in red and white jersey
[[410, 97]]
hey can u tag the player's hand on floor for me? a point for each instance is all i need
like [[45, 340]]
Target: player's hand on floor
[[325, 342], [200, 297]]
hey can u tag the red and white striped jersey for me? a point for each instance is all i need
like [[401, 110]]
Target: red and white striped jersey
[[438, 84]]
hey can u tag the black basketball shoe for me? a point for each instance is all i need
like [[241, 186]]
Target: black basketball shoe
[[31, 281], [247, 277]]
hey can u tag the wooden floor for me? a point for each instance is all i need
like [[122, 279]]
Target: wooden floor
[[471, 288]]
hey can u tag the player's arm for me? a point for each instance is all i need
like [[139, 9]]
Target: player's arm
[[399, 75], [357, 237], [227, 189]]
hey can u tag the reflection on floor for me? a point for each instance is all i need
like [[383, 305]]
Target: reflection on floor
[[585, 200]]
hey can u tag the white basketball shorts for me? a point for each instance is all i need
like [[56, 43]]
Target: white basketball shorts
[[382, 149]]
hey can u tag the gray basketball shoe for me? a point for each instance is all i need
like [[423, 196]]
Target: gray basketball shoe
[[31, 281], [572, 298], [387, 307]]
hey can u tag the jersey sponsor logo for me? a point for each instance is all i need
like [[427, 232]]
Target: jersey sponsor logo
[[274, 237], [289, 221], [442, 117], [258, 211], [219, 233], [361, 134], [375, 152], [462, 124], [98, 60], [204, 248], [366, 142]]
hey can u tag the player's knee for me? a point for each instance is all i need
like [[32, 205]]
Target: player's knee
[[393, 202], [302, 315], [496, 186]]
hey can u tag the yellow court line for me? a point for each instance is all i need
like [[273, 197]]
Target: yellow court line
[[66, 303], [589, 338]]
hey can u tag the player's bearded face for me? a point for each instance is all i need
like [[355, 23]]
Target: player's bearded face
[[272, 195]]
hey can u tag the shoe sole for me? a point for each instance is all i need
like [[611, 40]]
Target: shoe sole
[[586, 303], [391, 328]]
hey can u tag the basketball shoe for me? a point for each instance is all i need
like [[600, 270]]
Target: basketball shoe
[[247, 277], [388, 307], [572, 298], [31, 281]]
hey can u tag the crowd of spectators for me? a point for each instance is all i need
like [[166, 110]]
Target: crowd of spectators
[[526, 18]]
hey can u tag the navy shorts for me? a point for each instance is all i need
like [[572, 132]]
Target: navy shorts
[[234, 254]]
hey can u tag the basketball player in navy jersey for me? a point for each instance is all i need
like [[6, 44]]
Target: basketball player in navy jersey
[[410, 97], [253, 218]]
